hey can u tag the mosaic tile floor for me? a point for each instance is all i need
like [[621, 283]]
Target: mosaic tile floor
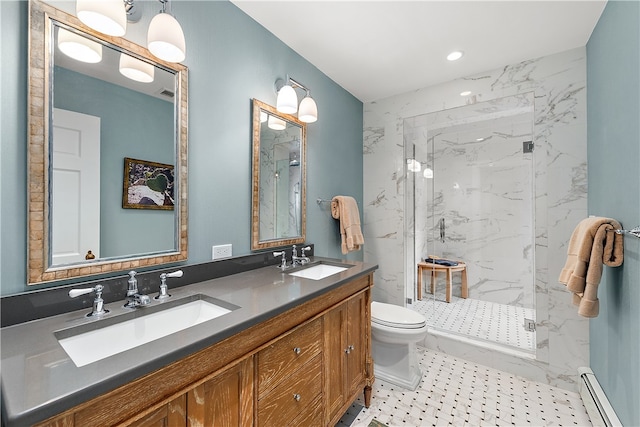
[[498, 323], [454, 392]]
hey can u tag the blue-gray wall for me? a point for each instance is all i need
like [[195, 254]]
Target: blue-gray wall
[[613, 99], [132, 125], [231, 60]]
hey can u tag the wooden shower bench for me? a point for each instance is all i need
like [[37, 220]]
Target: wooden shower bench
[[449, 270]]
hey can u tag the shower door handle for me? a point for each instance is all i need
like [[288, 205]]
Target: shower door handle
[[442, 229]]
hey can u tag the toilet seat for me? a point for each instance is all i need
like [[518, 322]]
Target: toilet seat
[[395, 316]]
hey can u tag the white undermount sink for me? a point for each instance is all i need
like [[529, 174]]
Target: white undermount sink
[[319, 271], [88, 346]]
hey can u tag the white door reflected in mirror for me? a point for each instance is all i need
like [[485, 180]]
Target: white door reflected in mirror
[[75, 202]]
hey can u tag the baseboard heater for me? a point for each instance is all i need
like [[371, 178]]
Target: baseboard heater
[[595, 401]]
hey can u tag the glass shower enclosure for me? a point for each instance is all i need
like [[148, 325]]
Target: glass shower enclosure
[[469, 199]]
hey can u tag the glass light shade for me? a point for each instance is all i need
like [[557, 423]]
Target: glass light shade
[[79, 48], [308, 111], [263, 117], [106, 16], [165, 38], [136, 69], [287, 101], [276, 123], [413, 165]]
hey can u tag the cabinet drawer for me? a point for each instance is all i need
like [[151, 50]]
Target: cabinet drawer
[[312, 415], [280, 359], [294, 397]]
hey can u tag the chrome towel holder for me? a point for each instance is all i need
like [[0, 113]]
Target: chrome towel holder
[[633, 232]]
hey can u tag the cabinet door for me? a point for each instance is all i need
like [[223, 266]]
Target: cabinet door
[[226, 400], [334, 359], [356, 343], [173, 414]]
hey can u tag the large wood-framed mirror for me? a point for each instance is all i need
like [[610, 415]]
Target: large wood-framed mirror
[[278, 213], [78, 205]]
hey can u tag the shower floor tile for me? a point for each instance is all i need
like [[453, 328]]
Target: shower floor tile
[[460, 393], [498, 323]]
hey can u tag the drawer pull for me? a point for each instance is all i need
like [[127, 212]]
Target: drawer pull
[[347, 350], [351, 348], [296, 397], [297, 350]]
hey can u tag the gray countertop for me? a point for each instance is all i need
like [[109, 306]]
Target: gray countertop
[[39, 379]]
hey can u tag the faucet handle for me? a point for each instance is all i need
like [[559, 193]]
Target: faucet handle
[[163, 293], [177, 273], [306, 248], [74, 293], [283, 263], [98, 302]]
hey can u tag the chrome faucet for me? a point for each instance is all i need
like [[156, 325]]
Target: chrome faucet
[[163, 293], [134, 299], [299, 260], [283, 262], [98, 303]]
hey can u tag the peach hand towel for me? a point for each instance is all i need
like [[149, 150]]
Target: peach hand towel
[[593, 244], [345, 209]]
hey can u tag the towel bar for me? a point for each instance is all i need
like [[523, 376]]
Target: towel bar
[[319, 201], [633, 232]]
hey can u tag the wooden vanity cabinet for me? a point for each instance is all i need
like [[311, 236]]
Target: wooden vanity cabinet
[[224, 400], [289, 377], [303, 367], [347, 352], [171, 414]]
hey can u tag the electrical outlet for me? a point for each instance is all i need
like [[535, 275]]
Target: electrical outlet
[[221, 251]]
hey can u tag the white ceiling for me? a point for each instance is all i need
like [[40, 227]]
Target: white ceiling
[[376, 49]]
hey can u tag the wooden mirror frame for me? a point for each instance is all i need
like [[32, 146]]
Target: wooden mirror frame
[[256, 243], [38, 227]]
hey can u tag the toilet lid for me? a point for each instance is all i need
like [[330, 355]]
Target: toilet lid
[[396, 316]]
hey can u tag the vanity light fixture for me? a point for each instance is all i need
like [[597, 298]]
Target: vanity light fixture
[[455, 55], [79, 48], [165, 38], [413, 165], [106, 16], [276, 123], [465, 93], [136, 69], [287, 101]]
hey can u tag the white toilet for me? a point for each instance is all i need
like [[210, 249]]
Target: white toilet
[[395, 331]]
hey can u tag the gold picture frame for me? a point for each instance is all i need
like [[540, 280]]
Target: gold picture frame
[[148, 185]]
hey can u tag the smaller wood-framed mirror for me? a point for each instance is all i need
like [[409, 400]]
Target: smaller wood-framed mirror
[[278, 211]]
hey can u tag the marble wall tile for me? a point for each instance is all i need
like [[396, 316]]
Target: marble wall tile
[[558, 83]]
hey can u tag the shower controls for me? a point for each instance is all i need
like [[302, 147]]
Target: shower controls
[[527, 147], [442, 226], [529, 325]]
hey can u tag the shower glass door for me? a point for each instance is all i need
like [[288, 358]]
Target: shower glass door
[[470, 199]]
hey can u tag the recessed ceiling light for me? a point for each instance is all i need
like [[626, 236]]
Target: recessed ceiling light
[[465, 93], [455, 55]]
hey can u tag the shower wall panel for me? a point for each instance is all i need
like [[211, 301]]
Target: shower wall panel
[[480, 183], [558, 83]]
